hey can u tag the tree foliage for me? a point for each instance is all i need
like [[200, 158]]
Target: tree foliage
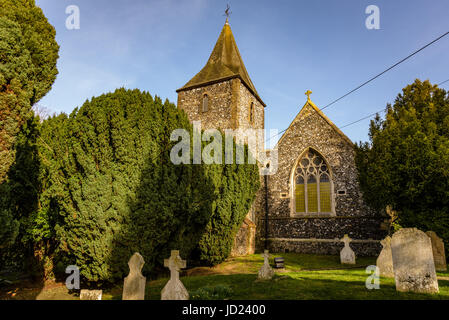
[[28, 55], [19, 198], [110, 189], [406, 164]]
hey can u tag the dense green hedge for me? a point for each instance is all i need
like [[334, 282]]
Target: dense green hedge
[[28, 55], [109, 189]]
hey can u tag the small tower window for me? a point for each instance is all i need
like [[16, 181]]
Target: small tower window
[[205, 106], [251, 113]]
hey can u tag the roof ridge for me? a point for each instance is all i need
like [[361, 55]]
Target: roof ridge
[[321, 113]]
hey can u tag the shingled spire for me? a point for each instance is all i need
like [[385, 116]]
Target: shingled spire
[[224, 63]]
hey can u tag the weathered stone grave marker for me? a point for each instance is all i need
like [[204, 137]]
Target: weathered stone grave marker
[[439, 257], [385, 260], [266, 272], [414, 269], [134, 285], [91, 294], [347, 256], [174, 289]]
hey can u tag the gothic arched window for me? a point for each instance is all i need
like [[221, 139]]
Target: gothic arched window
[[205, 106], [312, 184]]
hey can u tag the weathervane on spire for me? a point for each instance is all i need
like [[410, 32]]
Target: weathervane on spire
[[227, 12], [308, 93]]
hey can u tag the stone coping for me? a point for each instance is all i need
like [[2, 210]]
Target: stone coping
[[323, 217], [321, 240]]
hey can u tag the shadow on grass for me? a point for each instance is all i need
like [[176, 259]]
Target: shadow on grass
[[300, 286]]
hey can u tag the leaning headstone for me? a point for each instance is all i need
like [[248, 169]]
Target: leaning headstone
[[439, 257], [385, 260], [414, 269], [347, 256], [91, 294], [174, 289], [134, 286], [266, 272]]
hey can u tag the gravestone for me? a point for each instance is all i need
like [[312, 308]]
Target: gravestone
[[174, 289], [91, 294], [385, 260], [134, 286], [414, 269], [439, 257], [347, 256], [266, 272]]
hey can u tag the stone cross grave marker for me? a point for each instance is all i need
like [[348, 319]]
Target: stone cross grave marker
[[439, 257], [414, 269], [347, 256], [385, 260], [91, 294], [134, 285], [174, 289], [266, 272]]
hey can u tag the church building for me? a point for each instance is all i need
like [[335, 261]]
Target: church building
[[313, 198]]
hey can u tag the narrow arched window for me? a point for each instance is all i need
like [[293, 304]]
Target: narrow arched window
[[251, 113], [205, 106], [313, 185]]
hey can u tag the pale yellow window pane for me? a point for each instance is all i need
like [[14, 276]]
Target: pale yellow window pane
[[300, 198], [312, 197], [325, 196]]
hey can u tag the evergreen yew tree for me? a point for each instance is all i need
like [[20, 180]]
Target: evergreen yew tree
[[406, 163], [28, 55], [110, 189], [19, 197]]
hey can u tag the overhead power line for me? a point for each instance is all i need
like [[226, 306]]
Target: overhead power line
[[386, 70], [375, 77], [441, 83], [361, 119], [373, 114]]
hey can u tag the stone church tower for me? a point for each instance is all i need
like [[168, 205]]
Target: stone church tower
[[222, 96], [313, 197]]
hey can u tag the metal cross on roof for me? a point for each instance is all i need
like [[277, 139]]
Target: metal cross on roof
[[308, 93]]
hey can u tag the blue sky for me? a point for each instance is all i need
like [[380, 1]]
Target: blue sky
[[288, 47]]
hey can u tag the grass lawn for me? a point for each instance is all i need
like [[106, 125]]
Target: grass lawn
[[305, 277]]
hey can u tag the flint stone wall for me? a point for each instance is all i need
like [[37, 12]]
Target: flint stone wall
[[351, 215], [229, 104]]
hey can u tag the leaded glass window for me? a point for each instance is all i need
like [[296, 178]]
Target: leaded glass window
[[313, 185]]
